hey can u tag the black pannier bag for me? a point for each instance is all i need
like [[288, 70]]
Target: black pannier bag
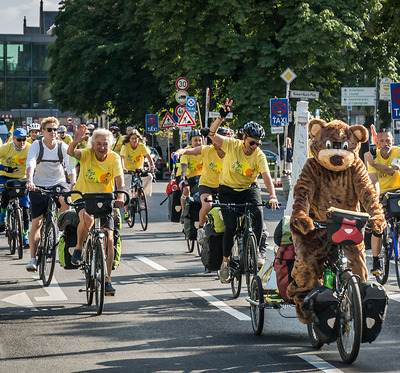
[[346, 227], [16, 188], [324, 309], [211, 255], [392, 202], [98, 204], [174, 206], [191, 217], [67, 222], [374, 304]]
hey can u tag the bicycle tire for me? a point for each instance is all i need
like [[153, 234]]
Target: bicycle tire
[[386, 255], [142, 209], [19, 233], [10, 231], [99, 272], [131, 211], [257, 312], [49, 253], [251, 267], [190, 245], [350, 314], [397, 262], [236, 279], [315, 341], [88, 273]]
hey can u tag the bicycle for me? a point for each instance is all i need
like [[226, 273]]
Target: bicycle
[[14, 225], [390, 238], [48, 242], [138, 200], [95, 248]]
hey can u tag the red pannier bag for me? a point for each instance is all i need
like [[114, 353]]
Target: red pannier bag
[[283, 265]]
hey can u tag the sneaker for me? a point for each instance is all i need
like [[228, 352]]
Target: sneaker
[[31, 266], [2, 221], [76, 257], [376, 268], [25, 242], [109, 289], [274, 297], [200, 236], [224, 272]]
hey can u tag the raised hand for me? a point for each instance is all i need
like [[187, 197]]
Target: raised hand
[[225, 109]]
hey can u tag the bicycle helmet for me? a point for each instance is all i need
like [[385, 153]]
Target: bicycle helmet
[[194, 133], [34, 127], [254, 130], [62, 129], [114, 128], [224, 131]]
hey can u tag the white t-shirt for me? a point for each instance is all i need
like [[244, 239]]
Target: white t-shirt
[[48, 174]]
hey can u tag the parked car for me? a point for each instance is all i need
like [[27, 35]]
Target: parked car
[[272, 157], [158, 162]]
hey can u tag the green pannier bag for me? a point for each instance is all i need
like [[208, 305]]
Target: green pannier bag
[[216, 220]]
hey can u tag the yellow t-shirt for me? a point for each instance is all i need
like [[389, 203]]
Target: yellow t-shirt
[[212, 167], [67, 139], [239, 170], [13, 158], [117, 144], [194, 163], [29, 140], [96, 176], [387, 182], [133, 158], [82, 144]]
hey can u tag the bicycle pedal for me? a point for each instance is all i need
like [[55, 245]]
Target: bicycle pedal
[[109, 295]]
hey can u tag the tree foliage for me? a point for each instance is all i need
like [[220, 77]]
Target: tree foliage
[[127, 54]]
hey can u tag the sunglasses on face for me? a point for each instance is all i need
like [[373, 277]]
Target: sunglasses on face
[[252, 143], [51, 129], [19, 140]]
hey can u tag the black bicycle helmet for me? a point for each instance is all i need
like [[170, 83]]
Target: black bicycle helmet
[[194, 133], [254, 130]]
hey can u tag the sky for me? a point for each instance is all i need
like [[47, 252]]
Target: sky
[[13, 12]]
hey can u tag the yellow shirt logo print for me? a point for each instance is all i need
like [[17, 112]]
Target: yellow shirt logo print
[[243, 168], [15, 160], [97, 175]]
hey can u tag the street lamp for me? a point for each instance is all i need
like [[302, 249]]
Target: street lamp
[[51, 103], [36, 105], [20, 117]]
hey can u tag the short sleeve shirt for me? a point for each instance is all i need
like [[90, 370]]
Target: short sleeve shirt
[[14, 158], [194, 164], [212, 167], [133, 158]]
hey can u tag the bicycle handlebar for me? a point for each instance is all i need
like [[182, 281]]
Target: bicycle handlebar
[[233, 205], [54, 193], [77, 203]]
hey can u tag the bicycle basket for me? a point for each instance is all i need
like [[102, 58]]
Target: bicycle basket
[[16, 188], [345, 227], [393, 204], [98, 204]]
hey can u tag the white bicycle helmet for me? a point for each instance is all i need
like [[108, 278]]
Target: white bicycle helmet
[[34, 126]]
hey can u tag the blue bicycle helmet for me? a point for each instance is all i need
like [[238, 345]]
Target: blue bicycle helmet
[[254, 130]]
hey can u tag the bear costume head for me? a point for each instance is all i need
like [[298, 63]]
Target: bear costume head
[[335, 145]]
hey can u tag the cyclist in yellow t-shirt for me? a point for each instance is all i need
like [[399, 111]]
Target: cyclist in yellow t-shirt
[[118, 138], [133, 152], [384, 173], [100, 170], [243, 162], [64, 137], [212, 158], [33, 131]]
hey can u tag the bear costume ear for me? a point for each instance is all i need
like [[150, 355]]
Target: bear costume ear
[[315, 125], [360, 132]]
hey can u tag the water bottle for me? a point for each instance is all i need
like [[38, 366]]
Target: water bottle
[[329, 278]]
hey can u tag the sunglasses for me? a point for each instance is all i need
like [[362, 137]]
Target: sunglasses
[[51, 129], [252, 143], [19, 140]]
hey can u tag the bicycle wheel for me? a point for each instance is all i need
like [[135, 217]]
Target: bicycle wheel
[[88, 273], [10, 231], [386, 256], [142, 208], [250, 258], [349, 339], [256, 310], [236, 279], [49, 253], [18, 232], [315, 341], [397, 262], [99, 275]]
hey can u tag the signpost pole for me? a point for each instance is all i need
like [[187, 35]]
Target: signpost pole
[[286, 131], [207, 107], [376, 103]]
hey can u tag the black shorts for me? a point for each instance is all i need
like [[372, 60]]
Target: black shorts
[[204, 189], [39, 202], [106, 221]]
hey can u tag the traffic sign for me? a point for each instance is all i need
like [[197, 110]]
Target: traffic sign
[[395, 100], [358, 96], [182, 84], [279, 110], [151, 123], [69, 120], [288, 76], [306, 95], [186, 120], [77, 121], [179, 110], [215, 114], [181, 96], [29, 120], [276, 130], [191, 106], [384, 89], [168, 121], [70, 128]]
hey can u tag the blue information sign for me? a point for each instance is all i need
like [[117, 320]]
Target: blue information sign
[[191, 106], [279, 111], [395, 100], [151, 123]]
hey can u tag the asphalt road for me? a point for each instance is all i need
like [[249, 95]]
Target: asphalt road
[[168, 316]]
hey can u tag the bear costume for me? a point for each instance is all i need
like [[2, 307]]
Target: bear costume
[[336, 177]]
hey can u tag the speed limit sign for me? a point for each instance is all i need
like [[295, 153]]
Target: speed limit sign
[[182, 84]]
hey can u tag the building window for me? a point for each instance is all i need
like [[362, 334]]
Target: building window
[[2, 94], [1, 59], [18, 59], [41, 92], [40, 59], [18, 92]]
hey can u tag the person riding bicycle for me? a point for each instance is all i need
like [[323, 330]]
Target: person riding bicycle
[[13, 156], [133, 152], [384, 173], [63, 136], [242, 164], [212, 158], [190, 169], [45, 169], [33, 131], [100, 170], [118, 139]]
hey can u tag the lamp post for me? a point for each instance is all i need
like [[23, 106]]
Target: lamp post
[[36, 105], [51, 103], [20, 117]]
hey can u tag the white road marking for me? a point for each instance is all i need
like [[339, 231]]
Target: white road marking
[[151, 263], [394, 295], [54, 291], [320, 364], [20, 299], [221, 305]]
